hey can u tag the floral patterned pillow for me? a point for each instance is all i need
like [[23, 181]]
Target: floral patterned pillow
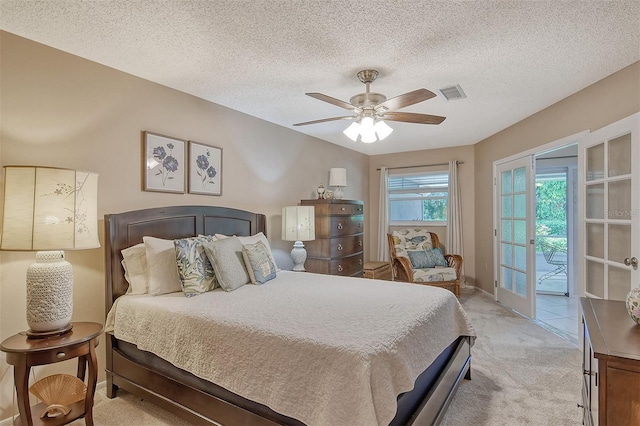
[[258, 262], [421, 259], [194, 269]]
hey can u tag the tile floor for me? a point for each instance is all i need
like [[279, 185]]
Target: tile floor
[[558, 314]]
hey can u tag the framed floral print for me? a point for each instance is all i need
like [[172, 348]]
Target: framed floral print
[[164, 165], [205, 169]]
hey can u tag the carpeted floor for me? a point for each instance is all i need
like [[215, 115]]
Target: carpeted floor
[[522, 374]]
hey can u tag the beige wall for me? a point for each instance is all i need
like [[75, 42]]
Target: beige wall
[[433, 156], [61, 110], [594, 107]]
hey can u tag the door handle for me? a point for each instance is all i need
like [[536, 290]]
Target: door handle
[[633, 261]]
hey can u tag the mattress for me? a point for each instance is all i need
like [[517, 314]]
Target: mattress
[[317, 348]]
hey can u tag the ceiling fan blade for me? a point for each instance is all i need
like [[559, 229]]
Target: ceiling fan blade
[[412, 117], [406, 99], [334, 101], [346, 117]]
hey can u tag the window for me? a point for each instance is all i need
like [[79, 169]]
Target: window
[[421, 198]]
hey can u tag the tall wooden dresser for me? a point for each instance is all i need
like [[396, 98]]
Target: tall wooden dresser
[[339, 243], [611, 364]]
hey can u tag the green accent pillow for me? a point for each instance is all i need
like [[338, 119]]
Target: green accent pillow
[[194, 269], [421, 259], [257, 259]]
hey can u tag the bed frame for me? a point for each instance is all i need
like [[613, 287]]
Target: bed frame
[[201, 402]]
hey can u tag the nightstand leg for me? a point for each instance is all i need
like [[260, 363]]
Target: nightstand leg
[[21, 379], [91, 382], [82, 367]]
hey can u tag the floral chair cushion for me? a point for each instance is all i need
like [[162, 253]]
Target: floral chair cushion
[[411, 239], [430, 275]]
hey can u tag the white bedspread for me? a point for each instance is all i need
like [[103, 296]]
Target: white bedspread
[[321, 349]]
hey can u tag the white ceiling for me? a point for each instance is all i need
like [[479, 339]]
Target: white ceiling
[[512, 58]]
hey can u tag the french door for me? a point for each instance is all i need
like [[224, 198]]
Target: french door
[[609, 209], [514, 235]]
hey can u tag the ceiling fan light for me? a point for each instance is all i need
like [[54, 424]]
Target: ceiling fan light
[[369, 138], [383, 129], [367, 130], [366, 125], [352, 131]]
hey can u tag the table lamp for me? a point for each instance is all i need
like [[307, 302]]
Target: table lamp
[[48, 210], [298, 224], [338, 179]]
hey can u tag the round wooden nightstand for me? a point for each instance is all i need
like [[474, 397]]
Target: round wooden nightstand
[[24, 353]]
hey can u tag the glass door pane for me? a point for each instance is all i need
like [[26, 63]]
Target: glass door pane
[[514, 287], [610, 205]]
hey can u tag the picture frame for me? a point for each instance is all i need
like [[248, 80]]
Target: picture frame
[[205, 169], [164, 166]]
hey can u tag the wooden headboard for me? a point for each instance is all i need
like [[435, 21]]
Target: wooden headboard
[[124, 230]]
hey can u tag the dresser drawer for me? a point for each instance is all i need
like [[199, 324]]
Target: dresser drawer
[[346, 209], [334, 247], [346, 266], [335, 226], [335, 207]]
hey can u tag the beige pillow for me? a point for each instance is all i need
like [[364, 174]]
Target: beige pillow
[[162, 269], [225, 254], [252, 240], [134, 262]]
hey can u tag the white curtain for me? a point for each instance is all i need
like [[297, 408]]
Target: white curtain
[[454, 215], [383, 216]]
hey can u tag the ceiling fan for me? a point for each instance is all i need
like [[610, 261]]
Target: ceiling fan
[[371, 109]]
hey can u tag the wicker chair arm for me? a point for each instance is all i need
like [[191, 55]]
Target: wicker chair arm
[[402, 269], [455, 261]]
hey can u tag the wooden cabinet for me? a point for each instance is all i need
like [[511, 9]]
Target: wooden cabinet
[[338, 247], [611, 364], [24, 353]]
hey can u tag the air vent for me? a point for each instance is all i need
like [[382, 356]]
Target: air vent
[[452, 93]]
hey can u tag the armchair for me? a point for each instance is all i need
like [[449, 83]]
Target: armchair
[[403, 242]]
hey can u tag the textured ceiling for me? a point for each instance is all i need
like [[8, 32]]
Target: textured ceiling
[[512, 58]]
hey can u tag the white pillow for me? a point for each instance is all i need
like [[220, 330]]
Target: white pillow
[[252, 240], [162, 268], [134, 262]]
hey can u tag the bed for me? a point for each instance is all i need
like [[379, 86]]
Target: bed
[[200, 400]]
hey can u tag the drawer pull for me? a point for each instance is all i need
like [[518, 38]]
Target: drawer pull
[[340, 269], [339, 225], [342, 209], [359, 224], [339, 247], [360, 243], [61, 355], [360, 261]]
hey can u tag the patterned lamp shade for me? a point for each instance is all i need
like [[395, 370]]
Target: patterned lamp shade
[[298, 223], [49, 210]]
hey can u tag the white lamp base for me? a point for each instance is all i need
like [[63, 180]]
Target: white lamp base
[[299, 255], [49, 294], [337, 193]]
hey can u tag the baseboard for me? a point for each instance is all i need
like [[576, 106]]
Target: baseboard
[[9, 421], [491, 295]]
